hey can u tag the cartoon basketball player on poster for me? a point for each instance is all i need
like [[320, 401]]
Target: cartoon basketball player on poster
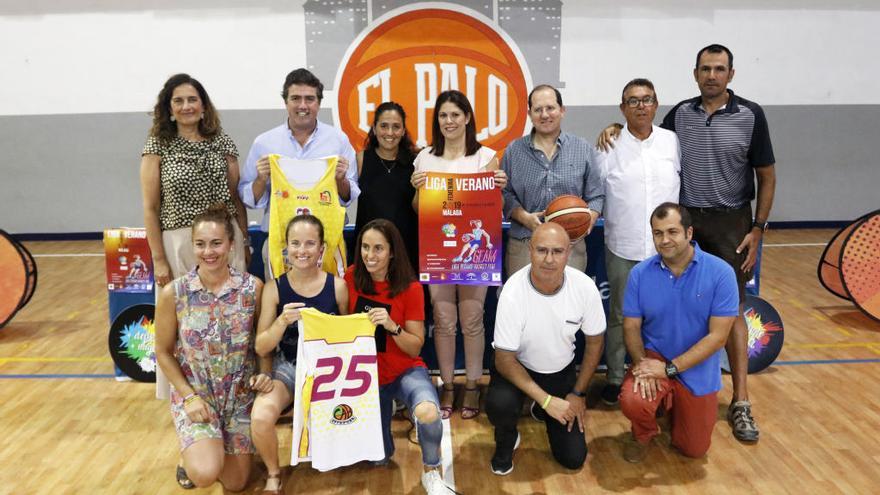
[[472, 241], [138, 269]]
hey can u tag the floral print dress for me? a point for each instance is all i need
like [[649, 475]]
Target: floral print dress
[[215, 349]]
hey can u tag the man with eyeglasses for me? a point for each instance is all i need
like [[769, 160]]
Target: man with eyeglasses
[[540, 166], [301, 136], [640, 173], [541, 311], [725, 144]]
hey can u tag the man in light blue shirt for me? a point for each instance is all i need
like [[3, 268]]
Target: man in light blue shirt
[[301, 136]]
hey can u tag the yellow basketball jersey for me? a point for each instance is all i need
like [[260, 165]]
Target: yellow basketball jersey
[[322, 201], [336, 414]]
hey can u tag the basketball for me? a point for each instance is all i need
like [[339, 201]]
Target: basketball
[[571, 213]]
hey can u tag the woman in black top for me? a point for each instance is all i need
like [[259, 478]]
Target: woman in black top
[[384, 170]]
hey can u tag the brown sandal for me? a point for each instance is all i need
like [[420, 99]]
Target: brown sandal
[[447, 400], [279, 490], [468, 412]]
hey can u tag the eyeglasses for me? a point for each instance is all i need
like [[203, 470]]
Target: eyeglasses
[[548, 109], [634, 102]]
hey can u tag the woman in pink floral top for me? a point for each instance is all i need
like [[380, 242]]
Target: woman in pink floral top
[[205, 345]]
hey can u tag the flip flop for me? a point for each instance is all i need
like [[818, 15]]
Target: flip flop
[[183, 480]]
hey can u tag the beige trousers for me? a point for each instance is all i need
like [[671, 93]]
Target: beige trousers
[[469, 310]]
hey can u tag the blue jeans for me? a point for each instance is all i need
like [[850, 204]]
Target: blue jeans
[[412, 387]]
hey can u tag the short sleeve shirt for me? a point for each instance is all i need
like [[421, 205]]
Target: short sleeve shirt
[[192, 177], [675, 311], [719, 152], [540, 328], [406, 306]]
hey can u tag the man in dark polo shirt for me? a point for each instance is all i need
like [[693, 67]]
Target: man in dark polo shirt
[[725, 144]]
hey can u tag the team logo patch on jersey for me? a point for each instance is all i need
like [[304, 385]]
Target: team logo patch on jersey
[[342, 415]]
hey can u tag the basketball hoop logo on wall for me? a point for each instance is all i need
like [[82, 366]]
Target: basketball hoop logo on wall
[[413, 53]]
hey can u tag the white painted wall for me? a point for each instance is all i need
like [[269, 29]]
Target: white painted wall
[[785, 52], [116, 61], [78, 78], [83, 56]]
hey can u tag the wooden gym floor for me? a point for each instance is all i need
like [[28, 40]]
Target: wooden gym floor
[[68, 427]]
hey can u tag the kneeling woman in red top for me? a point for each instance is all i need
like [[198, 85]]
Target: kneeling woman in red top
[[382, 284]]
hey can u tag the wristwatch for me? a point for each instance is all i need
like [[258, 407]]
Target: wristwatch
[[396, 332], [761, 225], [578, 394], [671, 369]]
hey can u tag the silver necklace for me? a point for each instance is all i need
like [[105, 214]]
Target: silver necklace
[[385, 164]]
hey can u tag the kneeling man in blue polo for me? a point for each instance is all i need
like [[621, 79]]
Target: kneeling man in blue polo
[[678, 310]]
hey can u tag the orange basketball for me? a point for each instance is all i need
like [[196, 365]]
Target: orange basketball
[[572, 213]]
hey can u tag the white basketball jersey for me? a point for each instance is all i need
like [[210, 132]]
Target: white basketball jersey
[[336, 415]]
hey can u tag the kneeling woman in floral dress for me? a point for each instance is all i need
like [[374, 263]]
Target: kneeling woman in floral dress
[[205, 345]]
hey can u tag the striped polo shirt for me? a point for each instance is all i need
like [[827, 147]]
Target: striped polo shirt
[[719, 151]]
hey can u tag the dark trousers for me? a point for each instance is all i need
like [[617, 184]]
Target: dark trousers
[[503, 406], [719, 231]]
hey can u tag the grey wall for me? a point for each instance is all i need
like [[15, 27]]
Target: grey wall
[[79, 173]]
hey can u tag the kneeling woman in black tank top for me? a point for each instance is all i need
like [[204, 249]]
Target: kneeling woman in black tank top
[[304, 286]]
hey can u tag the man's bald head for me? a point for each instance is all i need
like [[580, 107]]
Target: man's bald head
[[551, 229], [549, 249]]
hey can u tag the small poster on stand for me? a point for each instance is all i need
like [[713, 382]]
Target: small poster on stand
[[129, 262]]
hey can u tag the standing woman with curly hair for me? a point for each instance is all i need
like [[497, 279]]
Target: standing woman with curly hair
[[188, 164]]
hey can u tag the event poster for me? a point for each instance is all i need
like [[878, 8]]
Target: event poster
[[129, 262], [460, 229]]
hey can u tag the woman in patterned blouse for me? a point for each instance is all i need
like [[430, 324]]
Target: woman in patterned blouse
[[187, 165], [205, 345]]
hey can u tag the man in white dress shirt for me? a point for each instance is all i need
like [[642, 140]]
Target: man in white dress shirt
[[640, 173]]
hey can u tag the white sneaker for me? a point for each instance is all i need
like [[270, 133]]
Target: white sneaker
[[433, 484]]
